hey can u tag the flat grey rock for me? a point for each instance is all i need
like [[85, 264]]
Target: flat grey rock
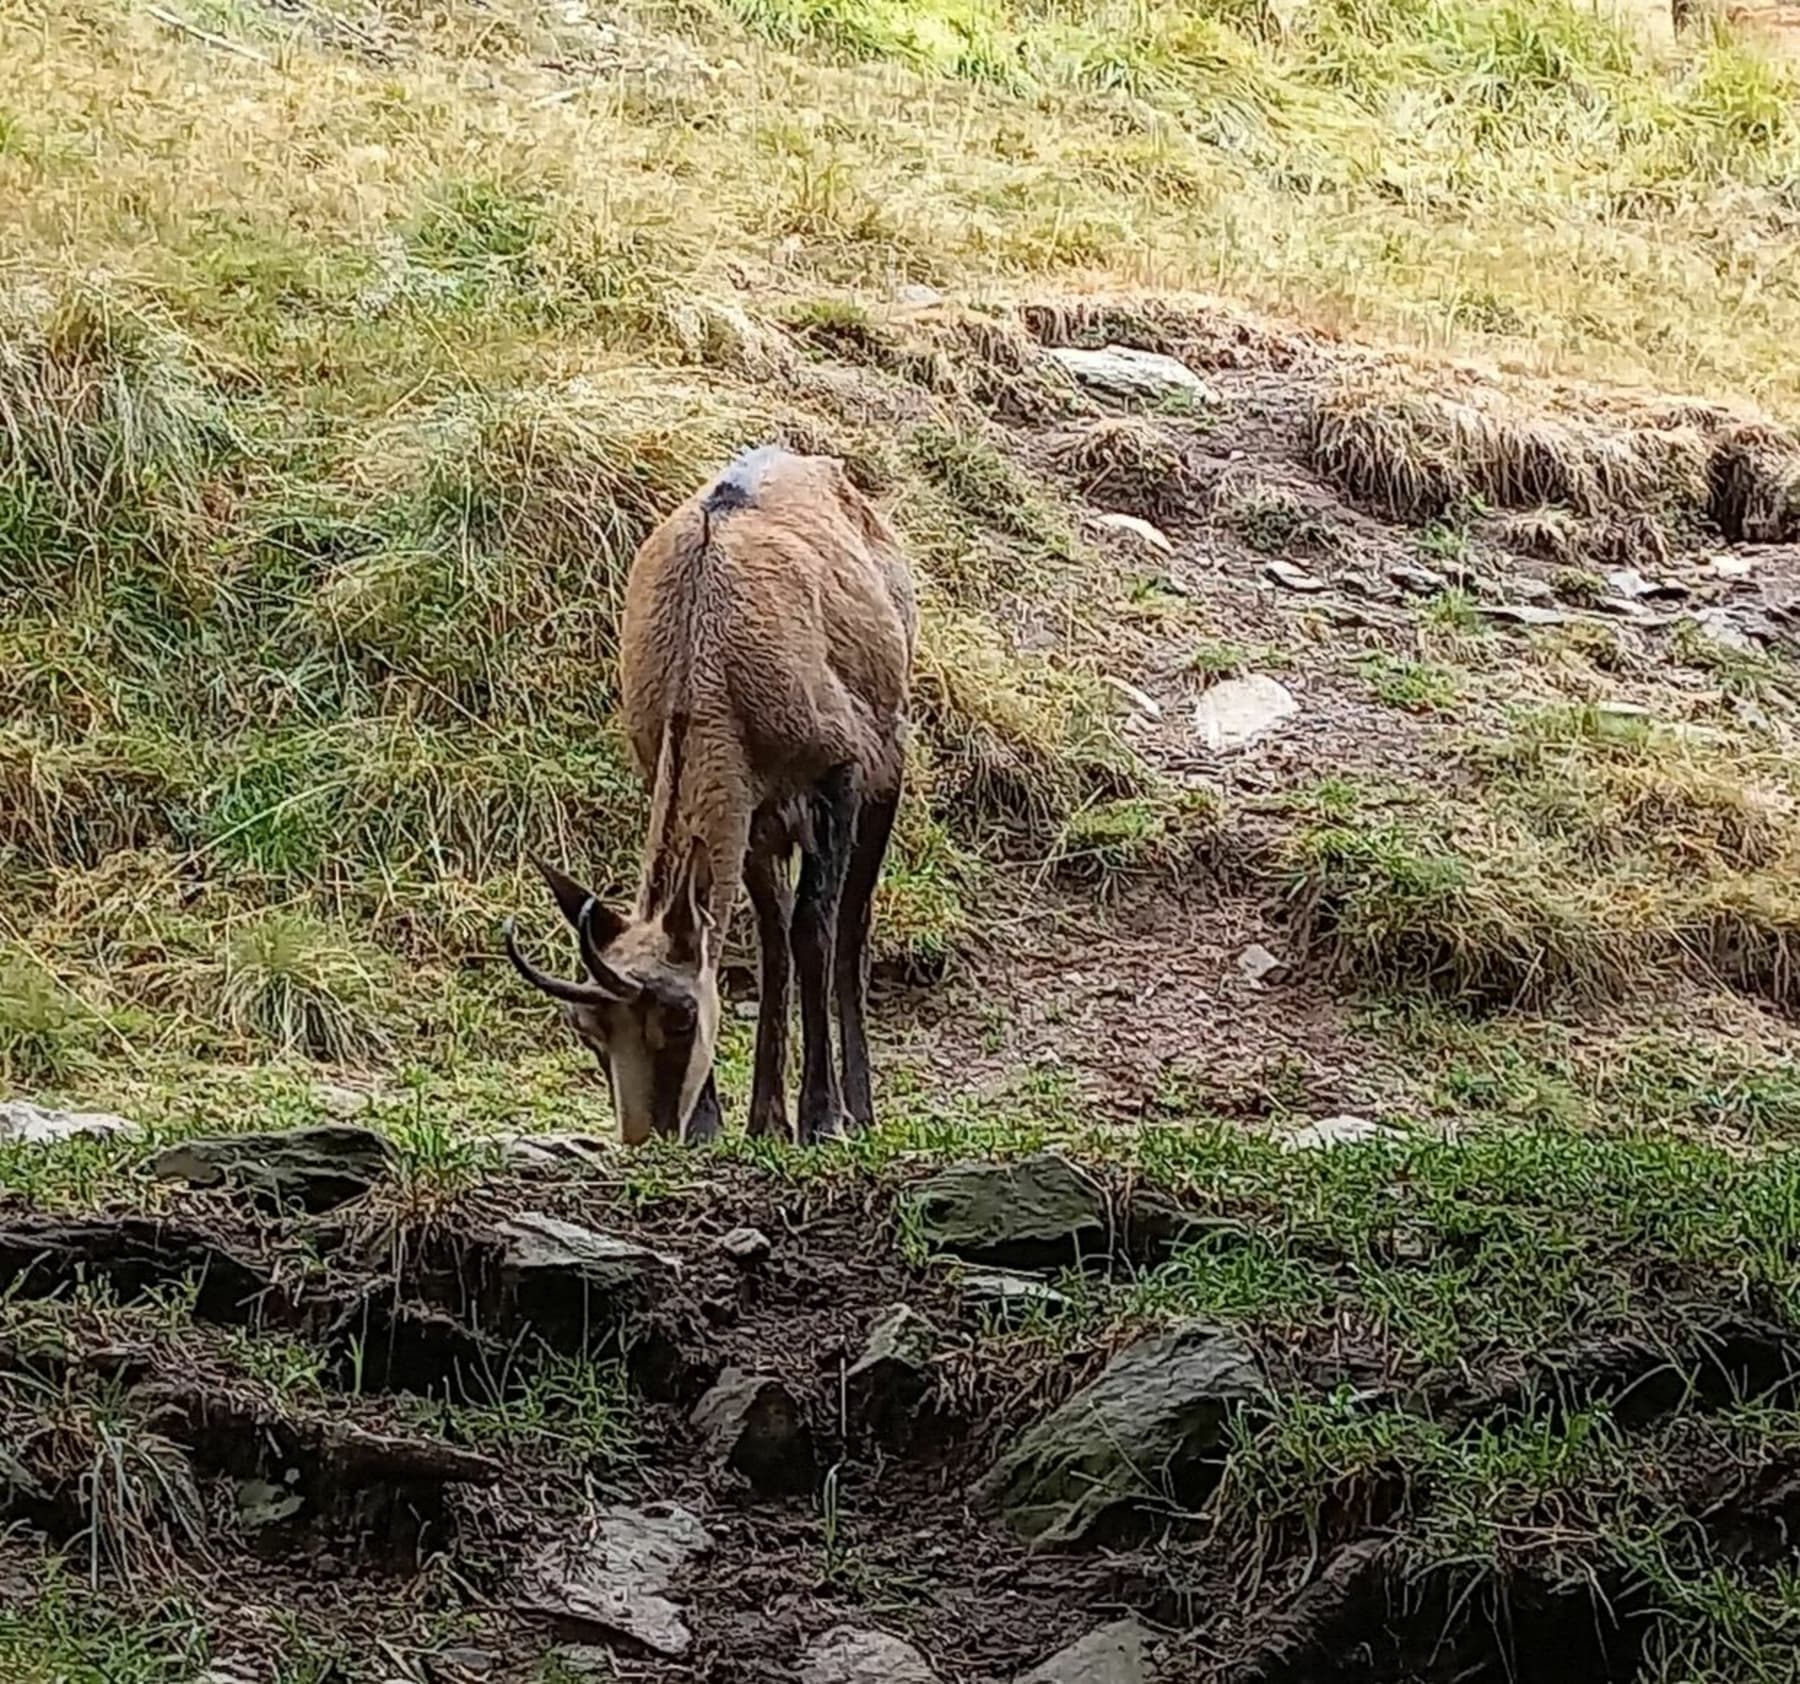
[[1151, 537], [1131, 376], [851, 1655], [617, 1581], [316, 1168], [1345, 1130], [1149, 1433], [1294, 577], [756, 1427], [1040, 1212], [1012, 1298], [39, 1125], [1113, 1654], [1238, 711]]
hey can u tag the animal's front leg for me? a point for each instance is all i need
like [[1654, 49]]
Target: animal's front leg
[[822, 876], [766, 877], [707, 1119]]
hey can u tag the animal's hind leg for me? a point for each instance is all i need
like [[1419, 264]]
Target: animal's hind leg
[[874, 825], [822, 875], [772, 895]]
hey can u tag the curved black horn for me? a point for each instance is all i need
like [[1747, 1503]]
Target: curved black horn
[[606, 979], [570, 993]]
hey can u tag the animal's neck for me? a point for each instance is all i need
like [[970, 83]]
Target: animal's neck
[[701, 794]]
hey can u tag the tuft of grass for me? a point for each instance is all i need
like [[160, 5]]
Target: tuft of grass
[[1019, 743], [300, 988], [1415, 686], [1270, 518], [59, 1636], [1132, 464], [1112, 840], [1420, 455], [989, 488], [577, 1411], [44, 1030], [1592, 855]]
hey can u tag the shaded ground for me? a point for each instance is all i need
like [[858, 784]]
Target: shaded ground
[[145, 1419]]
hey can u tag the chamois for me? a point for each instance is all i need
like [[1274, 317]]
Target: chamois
[[766, 652]]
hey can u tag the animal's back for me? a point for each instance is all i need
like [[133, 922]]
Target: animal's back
[[775, 604]]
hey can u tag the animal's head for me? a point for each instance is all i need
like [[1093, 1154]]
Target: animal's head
[[649, 1007]]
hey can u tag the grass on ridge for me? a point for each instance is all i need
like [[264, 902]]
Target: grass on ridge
[[1589, 853]]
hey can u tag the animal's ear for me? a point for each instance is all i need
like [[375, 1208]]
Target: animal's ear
[[604, 923], [688, 922]]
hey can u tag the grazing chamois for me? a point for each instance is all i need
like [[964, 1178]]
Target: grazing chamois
[[766, 654]]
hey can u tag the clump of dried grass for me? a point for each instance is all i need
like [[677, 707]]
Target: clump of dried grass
[[1418, 455], [1636, 539], [1591, 858], [1132, 464], [1755, 485]]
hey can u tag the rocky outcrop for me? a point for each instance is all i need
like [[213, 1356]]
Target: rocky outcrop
[[316, 1169], [1146, 1438]]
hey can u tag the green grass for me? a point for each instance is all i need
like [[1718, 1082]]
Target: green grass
[[1414, 686], [569, 1410], [1591, 854]]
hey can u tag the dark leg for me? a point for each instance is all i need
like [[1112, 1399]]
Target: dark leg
[[771, 894], [704, 1123], [815, 941], [874, 825]]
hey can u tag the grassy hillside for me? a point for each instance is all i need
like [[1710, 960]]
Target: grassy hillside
[[350, 352], [346, 353]]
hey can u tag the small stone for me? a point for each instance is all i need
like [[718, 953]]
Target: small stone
[[585, 1660], [1236, 712], [1718, 628], [261, 1504], [1256, 963], [555, 1151], [754, 1423], [1522, 614], [1113, 1654], [848, 1655], [1131, 376], [1345, 1130], [1422, 581], [885, 1385], [747, 1246], [1141, 700], [1012, 1298], [462, 1661], [1524, 588], [37, 1125], [1634, 586], [317, 1169], [1294, 578], [912, 295], [1731, 567], [616, 1582], [1151, 537], [341, 1101]]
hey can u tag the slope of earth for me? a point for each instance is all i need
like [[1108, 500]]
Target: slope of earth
[[1353, 824]]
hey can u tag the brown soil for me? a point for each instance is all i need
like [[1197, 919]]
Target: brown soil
[[415, 1543]]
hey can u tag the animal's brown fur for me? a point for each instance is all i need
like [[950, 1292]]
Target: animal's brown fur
[[766, 657]]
